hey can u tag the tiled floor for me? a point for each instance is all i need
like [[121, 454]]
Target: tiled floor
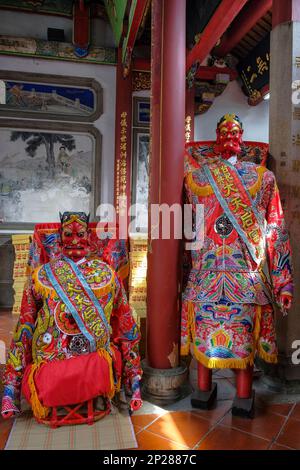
[[276, 426]]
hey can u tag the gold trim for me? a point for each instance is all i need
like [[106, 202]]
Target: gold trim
[[49, 292], [207, 190], [202, 191], [231, 363], [260, 170]]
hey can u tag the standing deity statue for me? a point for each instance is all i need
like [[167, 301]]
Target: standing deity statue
[[76, 341], [242, 269]]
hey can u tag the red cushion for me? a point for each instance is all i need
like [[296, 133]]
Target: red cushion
[[70, 381]]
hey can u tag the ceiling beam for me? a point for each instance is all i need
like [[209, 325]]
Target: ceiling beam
[[217, 25], [210, 73], [136, 15], [242, 24], [141, 65]]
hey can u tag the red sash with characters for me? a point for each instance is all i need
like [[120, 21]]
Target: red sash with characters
[[237, 204], [73, 290]]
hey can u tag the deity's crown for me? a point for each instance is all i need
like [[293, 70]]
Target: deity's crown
[[230, 118], [68, 217]]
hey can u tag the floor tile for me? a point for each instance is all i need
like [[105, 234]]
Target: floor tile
[[226, 387], [137, 429], [290, 435], [223, 438], [149, 408], [276, 446], [296, 412], [265, 424], [183, 427], [282, 409], [149, 441], [143, 420], [214, 414]]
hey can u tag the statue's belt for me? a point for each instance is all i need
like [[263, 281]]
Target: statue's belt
[[80, 300], [237, 204]]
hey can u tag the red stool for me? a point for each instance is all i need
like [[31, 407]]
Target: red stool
[[81, 413]]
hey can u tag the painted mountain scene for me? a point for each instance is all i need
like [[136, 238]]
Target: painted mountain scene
[[42, 173]]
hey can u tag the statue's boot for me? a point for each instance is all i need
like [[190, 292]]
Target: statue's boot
[[244, 401], [205, 396]]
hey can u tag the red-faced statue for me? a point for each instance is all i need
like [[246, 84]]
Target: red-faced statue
[[75, 235], [229, 136]]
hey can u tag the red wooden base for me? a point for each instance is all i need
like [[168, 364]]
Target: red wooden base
[[244, 378], [204, 378], [82, 413]]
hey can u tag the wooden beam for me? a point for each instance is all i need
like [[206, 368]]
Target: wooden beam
[[289, 10], [242, 24], [136, 15], [217, 25], [141, 65], [209, 73]]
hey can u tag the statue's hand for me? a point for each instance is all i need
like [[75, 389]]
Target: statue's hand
[[135, 404], [285, 299], [9, 409]]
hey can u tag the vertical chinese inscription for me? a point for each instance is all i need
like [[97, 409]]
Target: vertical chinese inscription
[[121, 167], [188, 129]]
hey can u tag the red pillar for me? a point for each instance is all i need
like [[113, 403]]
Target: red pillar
[[190, 114], [123, 133], [166, 178]]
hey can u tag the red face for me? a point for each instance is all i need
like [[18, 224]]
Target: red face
[[74, 237], [229, 139]]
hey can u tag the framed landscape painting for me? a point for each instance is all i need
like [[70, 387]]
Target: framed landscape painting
[[45, 171], [49, 97]]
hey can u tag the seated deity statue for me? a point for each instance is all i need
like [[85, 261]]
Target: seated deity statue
[[76, 341]]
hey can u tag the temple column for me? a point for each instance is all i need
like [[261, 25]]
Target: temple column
[[162, 373], [285, 152]]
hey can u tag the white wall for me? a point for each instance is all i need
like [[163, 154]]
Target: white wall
[[106, 76], [15, 23], [255, 119]]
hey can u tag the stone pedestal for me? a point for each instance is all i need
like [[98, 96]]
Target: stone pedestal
[[163, 386]]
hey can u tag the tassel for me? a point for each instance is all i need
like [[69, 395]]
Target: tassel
[[185, 348], [123, 272], [39, 410], [219, 363], [215, 362], [105, 355], [44, 291], [271, 358], [256, 331]]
